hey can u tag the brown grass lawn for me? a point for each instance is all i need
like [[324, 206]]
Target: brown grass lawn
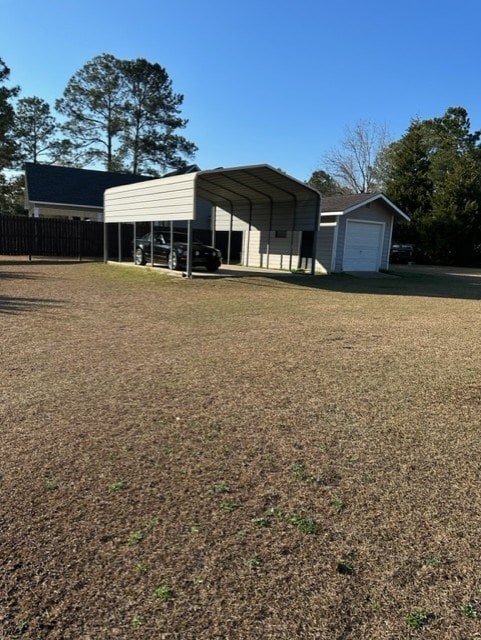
[[238, 458]]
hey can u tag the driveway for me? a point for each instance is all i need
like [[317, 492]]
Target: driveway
[[431, 270]]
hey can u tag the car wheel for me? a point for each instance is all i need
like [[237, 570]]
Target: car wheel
[[173, 260], [212, 266], [139, 256]]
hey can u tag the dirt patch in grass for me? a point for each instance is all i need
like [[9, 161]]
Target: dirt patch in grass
[[238, 458]]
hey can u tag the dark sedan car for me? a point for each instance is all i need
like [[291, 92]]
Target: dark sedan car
[[176, 257]]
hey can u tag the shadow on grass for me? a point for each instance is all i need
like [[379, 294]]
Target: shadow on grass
[[436, 282], [20, 275], [12, 305], [23, 264], [46, 261]]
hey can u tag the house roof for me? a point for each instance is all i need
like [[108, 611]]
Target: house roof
[[71, 186], [191, 168], [343, 204]]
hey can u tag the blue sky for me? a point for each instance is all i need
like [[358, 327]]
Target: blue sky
[[264, 81]]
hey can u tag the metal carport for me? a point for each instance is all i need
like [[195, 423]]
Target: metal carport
[[258, 199]]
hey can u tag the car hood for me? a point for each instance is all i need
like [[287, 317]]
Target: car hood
[[195, 245]]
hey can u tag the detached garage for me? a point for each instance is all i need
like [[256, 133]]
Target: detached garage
[[282, 222], [356, 232]]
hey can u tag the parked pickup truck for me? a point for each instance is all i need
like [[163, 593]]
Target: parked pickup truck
[[401, 253]]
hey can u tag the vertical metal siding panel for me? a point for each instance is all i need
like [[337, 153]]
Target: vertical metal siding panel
[[240, 221], [341, 236], [222, 219], [306, 215], [387, 244], [280, 251], [325, 246], [241, 217], [260, 222], [255, 257], [203, 212], [282, 216], [260, 216]]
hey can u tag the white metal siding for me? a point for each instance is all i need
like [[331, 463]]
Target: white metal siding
[[306, 214], [280, 250], [252, 256], [284, 216], [224, 220], [325, 246], [163, 199]]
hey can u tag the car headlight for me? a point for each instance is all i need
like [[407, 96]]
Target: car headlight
[[196, 253]]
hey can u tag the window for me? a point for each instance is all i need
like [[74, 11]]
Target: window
[[328, 219]]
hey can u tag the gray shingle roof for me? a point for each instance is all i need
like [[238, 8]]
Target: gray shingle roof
[[341, 203], [71, 186], [350, 202]]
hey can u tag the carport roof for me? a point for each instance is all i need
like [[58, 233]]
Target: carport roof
[[174, 197], [254, 183]]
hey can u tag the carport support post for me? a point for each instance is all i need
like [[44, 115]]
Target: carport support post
[[213, 219], [229, 239], [246, 262], [119, 238], [106, 251], [293, 230], [134, 244], [271, 212], [152, 243], [316, 235], [171, 242], [189, 249]]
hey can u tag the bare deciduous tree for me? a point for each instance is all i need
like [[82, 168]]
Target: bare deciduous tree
[[355, 163]]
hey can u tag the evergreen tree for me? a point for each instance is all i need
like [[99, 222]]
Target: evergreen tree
[[35, 128], [93, 103], [12, 194], [325, 183], [124, 114], [7, 144], [434, 174], [152, 115]]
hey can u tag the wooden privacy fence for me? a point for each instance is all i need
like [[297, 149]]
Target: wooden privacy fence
[[57, 237], [21, 236]]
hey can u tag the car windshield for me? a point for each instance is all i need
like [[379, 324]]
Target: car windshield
[[164, 238]]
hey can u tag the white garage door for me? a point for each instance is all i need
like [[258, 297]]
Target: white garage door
[[362, 247]]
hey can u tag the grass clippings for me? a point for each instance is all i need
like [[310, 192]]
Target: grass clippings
[[227, 420]]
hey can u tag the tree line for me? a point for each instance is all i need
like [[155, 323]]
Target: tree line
[[122, 115], [433, 173]]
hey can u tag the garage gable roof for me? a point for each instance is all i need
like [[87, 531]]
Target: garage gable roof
[[344, 204]]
